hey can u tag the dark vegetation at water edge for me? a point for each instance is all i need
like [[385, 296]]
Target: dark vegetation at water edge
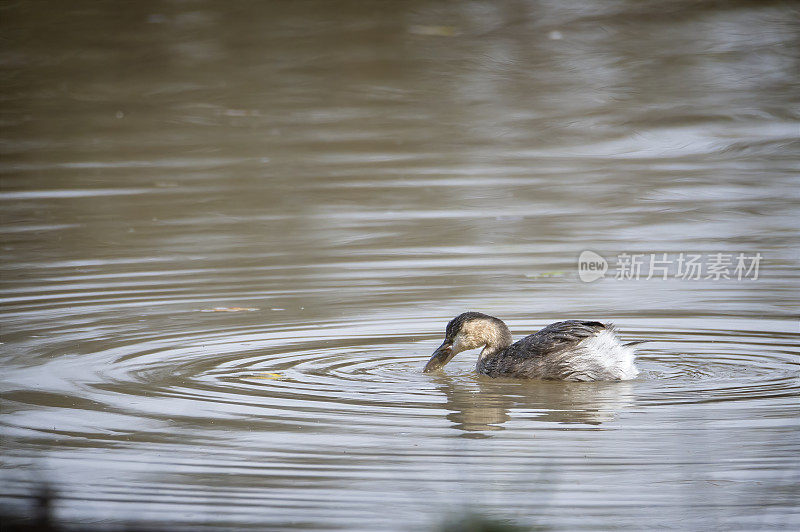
[[41, 519]]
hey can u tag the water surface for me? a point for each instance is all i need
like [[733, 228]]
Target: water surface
[[232, 237]]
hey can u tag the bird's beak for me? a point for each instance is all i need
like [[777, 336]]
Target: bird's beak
[[440, 357]]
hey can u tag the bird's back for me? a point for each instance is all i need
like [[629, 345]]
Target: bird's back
[[573, 350]]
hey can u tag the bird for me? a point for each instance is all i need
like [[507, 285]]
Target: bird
[[572, 350]]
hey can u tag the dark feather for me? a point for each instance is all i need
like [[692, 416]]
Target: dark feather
[[555, 338]]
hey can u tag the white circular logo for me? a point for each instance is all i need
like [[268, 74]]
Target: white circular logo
[[591, 266]]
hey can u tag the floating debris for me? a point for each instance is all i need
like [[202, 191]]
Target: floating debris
[[237, 113], [544, 274], [229, 309], [267, 375], [434, 31]]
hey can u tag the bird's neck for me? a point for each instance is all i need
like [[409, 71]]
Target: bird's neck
[[498, 339]]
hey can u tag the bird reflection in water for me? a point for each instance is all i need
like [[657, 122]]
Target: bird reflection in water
[[479, 404]]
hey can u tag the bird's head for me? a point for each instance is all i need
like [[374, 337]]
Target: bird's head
[[469, 330]]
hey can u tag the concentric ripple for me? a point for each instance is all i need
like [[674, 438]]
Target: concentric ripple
[[329, 372], [281, 410]]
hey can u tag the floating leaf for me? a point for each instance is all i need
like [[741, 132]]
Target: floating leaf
[[267, 375]]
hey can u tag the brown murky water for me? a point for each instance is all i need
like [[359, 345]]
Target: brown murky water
[[349, 176]]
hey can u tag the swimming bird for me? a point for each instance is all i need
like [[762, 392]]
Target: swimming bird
[[571, 350]]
